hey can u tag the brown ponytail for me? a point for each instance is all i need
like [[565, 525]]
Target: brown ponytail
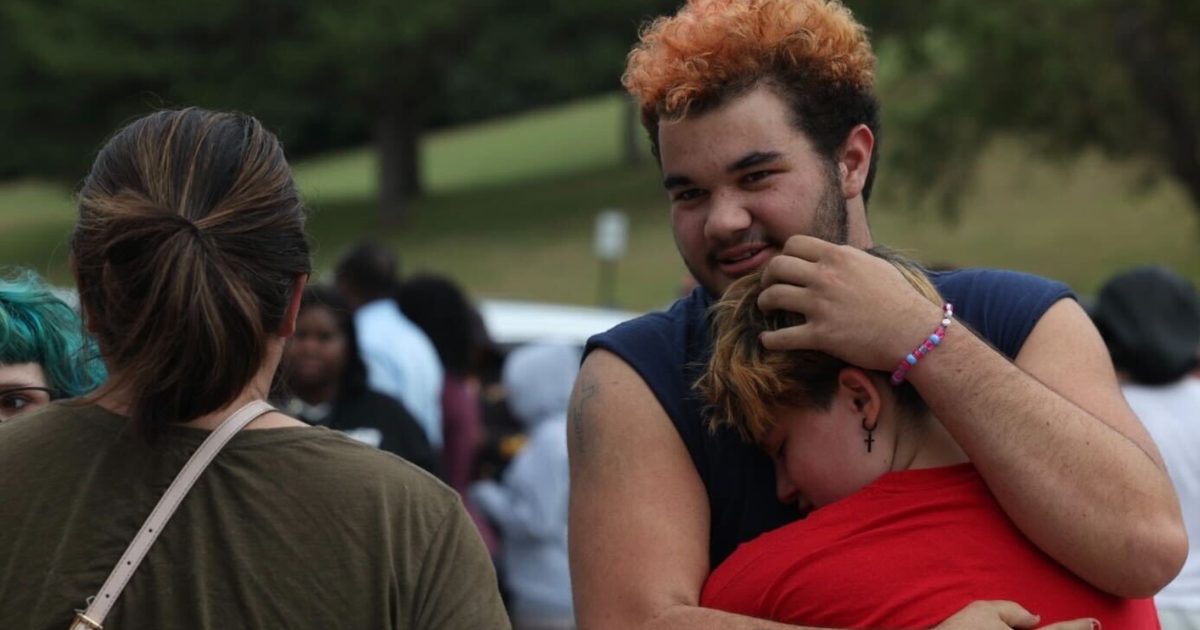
[[189, 241]]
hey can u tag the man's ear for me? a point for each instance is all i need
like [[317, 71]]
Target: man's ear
[[857, 388], [287, 327], [854, 161]]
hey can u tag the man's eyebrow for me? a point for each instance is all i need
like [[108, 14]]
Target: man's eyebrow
[[671, 181], [753, 159]]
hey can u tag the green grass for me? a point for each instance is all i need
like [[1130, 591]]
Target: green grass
[[575, 138], [529, 240], [34, 219], [1079, 221], [512, 205]]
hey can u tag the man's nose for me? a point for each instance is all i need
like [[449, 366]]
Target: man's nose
[[727, 217]]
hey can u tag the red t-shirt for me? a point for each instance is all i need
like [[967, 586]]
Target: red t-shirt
[[906, 552]]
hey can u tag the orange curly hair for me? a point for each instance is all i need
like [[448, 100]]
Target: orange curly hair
[[812, 52]]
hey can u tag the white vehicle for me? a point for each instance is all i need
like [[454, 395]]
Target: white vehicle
[[512, 323]]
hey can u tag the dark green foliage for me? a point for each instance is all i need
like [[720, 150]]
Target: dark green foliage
[[321, 74], [1121, 76]]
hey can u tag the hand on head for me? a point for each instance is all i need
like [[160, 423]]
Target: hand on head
[[857, 307]]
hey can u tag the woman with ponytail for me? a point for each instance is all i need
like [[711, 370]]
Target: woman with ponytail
[[143, 505]]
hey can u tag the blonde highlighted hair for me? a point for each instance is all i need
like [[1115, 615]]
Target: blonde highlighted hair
[[745, 383]]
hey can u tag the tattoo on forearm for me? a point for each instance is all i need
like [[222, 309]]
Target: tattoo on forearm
[[586, 392]]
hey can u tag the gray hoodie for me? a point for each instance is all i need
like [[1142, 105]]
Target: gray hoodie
[[530, 504]]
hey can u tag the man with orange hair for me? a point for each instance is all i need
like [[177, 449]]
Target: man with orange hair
[[763, 118]]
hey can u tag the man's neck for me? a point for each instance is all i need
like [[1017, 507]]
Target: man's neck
[[859, 230]]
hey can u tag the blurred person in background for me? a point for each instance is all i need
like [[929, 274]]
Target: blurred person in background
[[401, 361], [45, 354], [325, 382], [1150, 319], [191, 258], [503, 435], [529, 505], [441, 310]]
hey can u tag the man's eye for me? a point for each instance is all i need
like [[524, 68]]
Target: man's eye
[[689, 194], [756, 176]]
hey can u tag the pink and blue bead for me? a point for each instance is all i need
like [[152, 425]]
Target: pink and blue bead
[[926, 346]]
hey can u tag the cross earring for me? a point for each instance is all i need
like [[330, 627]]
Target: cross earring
[[869, 439]]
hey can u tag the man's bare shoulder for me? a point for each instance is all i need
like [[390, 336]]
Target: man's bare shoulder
[[611, 406]]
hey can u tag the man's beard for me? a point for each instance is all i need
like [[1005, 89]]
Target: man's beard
[[832, 222]]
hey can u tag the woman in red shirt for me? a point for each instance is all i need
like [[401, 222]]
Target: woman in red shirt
[[903, 532]]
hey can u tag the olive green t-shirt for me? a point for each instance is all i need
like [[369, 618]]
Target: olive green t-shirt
[[291, 528]]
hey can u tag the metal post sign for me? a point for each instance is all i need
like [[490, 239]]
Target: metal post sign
[[612, 235]]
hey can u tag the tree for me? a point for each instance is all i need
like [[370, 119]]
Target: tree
[[320, 74], [389, 63], [1119, 75], [538, 52]]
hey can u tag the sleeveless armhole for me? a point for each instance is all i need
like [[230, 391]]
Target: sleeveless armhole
[[1002, 306], [657, 345]]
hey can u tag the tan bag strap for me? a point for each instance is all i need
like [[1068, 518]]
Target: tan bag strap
[[99, 606]]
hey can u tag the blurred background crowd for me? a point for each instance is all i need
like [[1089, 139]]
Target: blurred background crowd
[[476, 141]]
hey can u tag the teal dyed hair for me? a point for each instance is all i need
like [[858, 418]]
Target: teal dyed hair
[[38, 327]]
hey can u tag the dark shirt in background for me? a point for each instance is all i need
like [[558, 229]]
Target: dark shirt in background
[[373, 419]]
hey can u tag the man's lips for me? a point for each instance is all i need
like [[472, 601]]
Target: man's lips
[[741, 259]]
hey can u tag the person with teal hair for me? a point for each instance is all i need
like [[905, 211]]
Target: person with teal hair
[[45, 354]]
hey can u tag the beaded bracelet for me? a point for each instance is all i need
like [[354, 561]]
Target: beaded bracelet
[[926, 347]]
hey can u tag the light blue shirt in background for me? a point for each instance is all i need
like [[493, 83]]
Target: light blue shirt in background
[[402, 363]]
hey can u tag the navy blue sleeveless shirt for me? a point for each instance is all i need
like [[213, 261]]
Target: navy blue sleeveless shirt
[[669, 351]]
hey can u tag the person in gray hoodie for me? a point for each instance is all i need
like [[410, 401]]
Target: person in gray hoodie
[[529, 505]]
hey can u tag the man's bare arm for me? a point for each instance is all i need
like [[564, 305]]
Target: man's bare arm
[[639, 515], [1061, 450]]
